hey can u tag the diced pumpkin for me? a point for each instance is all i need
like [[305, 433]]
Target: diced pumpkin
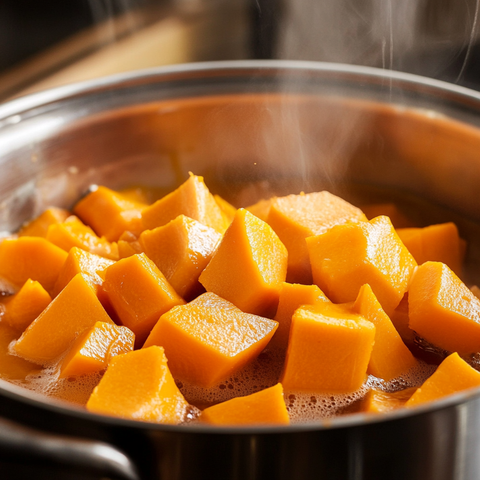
[[453, 375], [38, 227], [227, 208], [209, 339], [92, 351], [181, 250], [351, 255], [264, 407], [390, 357], [390, 210], [73, 233], [75, 309], [249, 266], [261, 209], [443, 310], [110, 213], [139, 293], [138, 385], [22, 308], [292, 296], [328, 350], [436, 243], [296, 217], [378, 401], [31, 258], [192, 199]]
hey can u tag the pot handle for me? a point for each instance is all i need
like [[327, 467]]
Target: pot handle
[[23, 445]]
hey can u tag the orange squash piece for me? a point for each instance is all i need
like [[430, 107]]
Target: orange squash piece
[[181, 250], [192, 199], [443, 310], [38, 227], [296, 217], [328, 350], [351, 255], [73, 233], [139, 294], [92, 351], [249, 266], [453, 375], [22, 308], [265, 407], [390, 357], [261, 209], [138, 385], [75, 309], [110, 213], [31, 258], [292, 296], [128, 245], [378, 401], [209, 339], [390, 210], [227, 208]]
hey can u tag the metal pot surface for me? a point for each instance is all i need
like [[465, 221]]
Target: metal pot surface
[[252, 129]]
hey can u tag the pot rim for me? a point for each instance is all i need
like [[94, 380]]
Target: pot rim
[[15, 107]]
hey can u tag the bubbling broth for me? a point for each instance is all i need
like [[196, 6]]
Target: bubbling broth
[[265, 370]]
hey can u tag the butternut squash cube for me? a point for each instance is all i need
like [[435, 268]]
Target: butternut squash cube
[[261, 209], [443, 310], [31, 258], [328, 350], [436, 243], [227, 208], [209, 339], [22, 308], [390, 210], [192, 199], [110, 213], [296, 217], [38, 227], [181, 250], [378, 401], [390, 357], [139, 294], [453, 375], [138, 385], [73, 233], [292, 296], [92, 351], [351, 255], [266, 407], [75, 309], [249, 266]]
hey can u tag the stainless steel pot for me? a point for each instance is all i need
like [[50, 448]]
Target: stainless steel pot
[[252, 129]]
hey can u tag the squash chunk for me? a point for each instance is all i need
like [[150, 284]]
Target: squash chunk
[[296, 217], [73, 233], [138, 385], [351, 255], [377, 401], [453, 375], [110, 213], [249, 266], [390, 357], [264, 407], [328, 351], [22, 308], [139, 294], [181, 250], [74, 310], [209, 339], [38, 227], [227, 208], [192, 199], [31, 258], [292, 296], [439, 304], [261, 208], [390, 210], [436, 243], [93, 350]]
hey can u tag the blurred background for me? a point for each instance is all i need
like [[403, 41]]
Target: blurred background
[[53, 42]]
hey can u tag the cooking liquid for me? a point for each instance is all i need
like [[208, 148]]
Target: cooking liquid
[[264, 371]]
